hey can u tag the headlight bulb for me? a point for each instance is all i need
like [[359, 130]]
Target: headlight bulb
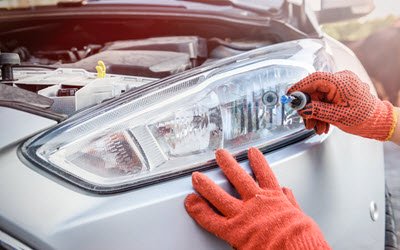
[[296, 100]]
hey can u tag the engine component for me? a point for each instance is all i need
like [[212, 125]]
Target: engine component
[[192, 45], [67, 91], [75, 89], [137, 63], [7, 61], [244, 45], [23, 53], [221, 48], [66, 56], [222, 52]]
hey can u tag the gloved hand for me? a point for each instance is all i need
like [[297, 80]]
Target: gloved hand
[[267, 217], [341, 99]]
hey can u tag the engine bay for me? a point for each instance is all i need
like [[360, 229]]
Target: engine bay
[[79, 65], [149, 57]]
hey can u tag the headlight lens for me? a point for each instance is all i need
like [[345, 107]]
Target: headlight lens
[[175, 125]]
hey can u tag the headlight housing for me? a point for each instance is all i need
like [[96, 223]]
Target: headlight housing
[[174, 125]]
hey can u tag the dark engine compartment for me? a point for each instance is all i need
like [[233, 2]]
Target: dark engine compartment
[[60, 50], [150, 48]]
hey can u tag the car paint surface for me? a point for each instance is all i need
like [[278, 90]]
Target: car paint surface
[[333, 181]]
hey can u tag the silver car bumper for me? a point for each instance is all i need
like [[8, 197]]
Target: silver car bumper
[[334, 178]]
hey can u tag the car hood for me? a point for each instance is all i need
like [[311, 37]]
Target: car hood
[[257, 5], [243, 7]]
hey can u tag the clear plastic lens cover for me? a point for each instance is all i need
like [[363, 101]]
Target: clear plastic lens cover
[[175, 125]]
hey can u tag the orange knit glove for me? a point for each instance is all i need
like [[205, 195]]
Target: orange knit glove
[[341, 99], [267, 217]]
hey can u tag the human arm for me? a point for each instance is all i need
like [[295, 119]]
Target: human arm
[[343, 100]]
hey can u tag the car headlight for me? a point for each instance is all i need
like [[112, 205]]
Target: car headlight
[[175, 125]]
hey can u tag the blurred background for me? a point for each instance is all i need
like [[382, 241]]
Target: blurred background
[[385, 14], [375, 40]]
